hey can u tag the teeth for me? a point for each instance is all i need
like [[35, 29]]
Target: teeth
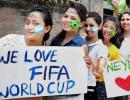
[[125, 25]]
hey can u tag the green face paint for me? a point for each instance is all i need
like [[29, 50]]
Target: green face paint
[[74, 24], [113, 32]]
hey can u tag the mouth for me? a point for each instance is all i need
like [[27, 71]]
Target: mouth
[[106, 34], [88, 32], [66, 25], [125, 25], [28, 33]]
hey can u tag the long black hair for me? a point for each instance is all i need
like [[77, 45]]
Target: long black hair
[[115, 39], [46, 18], [82, 12]]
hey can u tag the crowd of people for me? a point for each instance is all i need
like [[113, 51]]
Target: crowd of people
[[107, 39]]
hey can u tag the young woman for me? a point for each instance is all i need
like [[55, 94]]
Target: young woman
[[109, 34], [97, 52], [125, 37], [125, 24], [72, 21], [124, 19], [38, 24]]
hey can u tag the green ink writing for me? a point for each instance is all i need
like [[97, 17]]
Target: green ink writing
[[120, 65]]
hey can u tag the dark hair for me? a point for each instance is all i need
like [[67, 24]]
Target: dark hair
[[96, 17], [46, 17], [115, 39], [121, 38], [82, 12], [125, 12]]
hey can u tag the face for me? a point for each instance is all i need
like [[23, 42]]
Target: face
[[34, 27], [109, 29], [71, 20], [125, 22], [91, 27]]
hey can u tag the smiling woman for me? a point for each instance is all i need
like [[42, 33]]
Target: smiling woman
[[72, 21], [38, 25]]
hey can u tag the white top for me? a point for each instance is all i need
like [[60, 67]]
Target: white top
[[125, 48], [96, 50], [12, 40]]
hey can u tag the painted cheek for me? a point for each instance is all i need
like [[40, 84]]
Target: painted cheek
[[129, 22], [112, 32], [94, 29], [38, 29], [74, 24]]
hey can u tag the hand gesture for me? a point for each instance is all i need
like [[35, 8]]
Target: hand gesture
[[115, 3]]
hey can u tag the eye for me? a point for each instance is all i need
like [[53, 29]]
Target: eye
[[85, 25], [35, 24], [122, 19], [106, 26], [65, 16], [27, 22], [73, 18], [91, 25], [127, 19]]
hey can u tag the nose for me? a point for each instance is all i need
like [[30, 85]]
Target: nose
[[108, 29], [30, 26], [88, 28]]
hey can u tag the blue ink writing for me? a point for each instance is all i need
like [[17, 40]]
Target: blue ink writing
[[32, 89], [54, 71], [41, 56], [10, 57]]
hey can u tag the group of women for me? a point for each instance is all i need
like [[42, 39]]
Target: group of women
[[107, 40]]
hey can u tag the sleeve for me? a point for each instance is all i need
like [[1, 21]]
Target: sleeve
[[114, 54], [4, 41], [11, 40]]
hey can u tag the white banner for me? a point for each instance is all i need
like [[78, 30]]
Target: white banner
[[42, 71], [117, 78]]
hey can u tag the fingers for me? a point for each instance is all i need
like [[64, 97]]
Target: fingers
[[88, 60], [97, 75], [115, 3]]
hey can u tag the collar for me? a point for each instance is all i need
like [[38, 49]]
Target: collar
[[127, 38], [76, 39], [98, 42]]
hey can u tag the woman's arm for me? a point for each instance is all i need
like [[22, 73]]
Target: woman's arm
[[115, 12]]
